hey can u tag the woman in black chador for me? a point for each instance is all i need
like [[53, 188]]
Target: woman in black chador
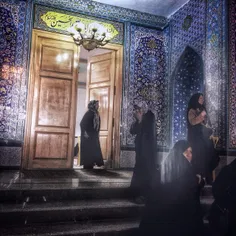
[[174, 208], [90, 146], [205, 157], [145, 148], [222, 217]]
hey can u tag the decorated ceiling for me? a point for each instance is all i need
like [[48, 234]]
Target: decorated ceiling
[[155, 7]]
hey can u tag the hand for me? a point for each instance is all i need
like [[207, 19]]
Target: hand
[[203, 113], [199, 178], [86, 134]]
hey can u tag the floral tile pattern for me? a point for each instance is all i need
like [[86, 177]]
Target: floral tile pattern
[[232, 75], [15, 20], [151, 59], [216, 68], [188, 48], [147, 80], [200, 25]]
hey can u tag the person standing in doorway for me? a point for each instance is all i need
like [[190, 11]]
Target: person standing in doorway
[[145, 149], [90, 152]]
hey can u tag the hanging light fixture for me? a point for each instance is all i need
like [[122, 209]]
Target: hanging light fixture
[[90, 36]]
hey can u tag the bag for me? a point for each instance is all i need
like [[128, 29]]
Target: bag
[[76, 150], [215, 159]]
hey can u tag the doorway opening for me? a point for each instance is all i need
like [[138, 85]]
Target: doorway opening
[[96, 81], [52, 120]]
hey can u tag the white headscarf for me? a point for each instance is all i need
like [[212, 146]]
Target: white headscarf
[[143, 105]]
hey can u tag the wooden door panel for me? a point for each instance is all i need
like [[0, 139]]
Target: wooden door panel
[[52, 58], [51, 101], [100, 86], [53, 146], [102, 95], [54, 102], [56, 61], [104, 146], [100, 71]]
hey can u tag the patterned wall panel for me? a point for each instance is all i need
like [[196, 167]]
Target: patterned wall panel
[[147, 80], [106, 11], [216, 68], [51, 19], [200, 25], [15, 18], [232, 75], [14, 30], [187, 30]]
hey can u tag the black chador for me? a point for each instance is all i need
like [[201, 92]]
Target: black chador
[[173, 207], [145, 148], [90, 146], [205, 156], [222, 217]]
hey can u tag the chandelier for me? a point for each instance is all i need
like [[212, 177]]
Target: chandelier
[[90, 36]]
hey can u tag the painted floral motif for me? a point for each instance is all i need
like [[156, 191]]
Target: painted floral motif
[[187, 22]]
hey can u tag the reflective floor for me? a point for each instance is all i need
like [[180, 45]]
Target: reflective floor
[[63, 179]]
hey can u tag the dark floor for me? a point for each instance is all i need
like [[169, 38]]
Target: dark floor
[[60, 179]]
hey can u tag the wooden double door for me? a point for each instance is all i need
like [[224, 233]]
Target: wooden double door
[[52, 98]]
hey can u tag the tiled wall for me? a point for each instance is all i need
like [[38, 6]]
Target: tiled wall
[[15, 21], [187, 51], [146, 79], [15, 29], [16, 34], [216, 68], [200, 25], [232, 75]]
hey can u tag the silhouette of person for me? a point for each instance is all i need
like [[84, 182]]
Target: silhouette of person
[[90, 152], [145, 148]]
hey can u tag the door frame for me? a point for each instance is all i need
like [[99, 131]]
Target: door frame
[[118, 49], [115, 163]]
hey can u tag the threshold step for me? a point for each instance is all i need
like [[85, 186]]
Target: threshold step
[[106, 228], [65, 211]]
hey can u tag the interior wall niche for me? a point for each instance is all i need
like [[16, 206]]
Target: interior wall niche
[[187, 78]]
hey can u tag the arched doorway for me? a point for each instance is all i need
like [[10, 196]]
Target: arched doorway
[[187, 79]]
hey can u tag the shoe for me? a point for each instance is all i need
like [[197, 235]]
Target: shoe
[[139, 200], [99, 167], [88, 167]]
